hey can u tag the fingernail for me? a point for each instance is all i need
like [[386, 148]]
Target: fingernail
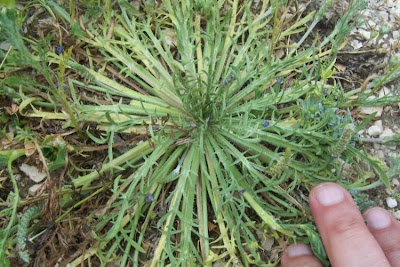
[[377, 219], [299, 250], [329, 194]]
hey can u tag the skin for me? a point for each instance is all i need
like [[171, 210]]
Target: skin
[[348, 240]]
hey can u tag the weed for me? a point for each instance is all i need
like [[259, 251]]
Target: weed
[[235, 107]]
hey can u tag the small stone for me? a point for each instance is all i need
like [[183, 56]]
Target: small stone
[[375, 129], [377, 146], [387, 133], [33, 172], [380, 154], [396, 35], [149, 198], [397, 214], [365, 34], [395, 182], [356, 44], [390, 3], [5, 46], [34, 189], [391, 202], [267, 246], [387, 109]]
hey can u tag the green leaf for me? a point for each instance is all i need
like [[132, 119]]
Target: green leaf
[[394, 169], [76, 30]]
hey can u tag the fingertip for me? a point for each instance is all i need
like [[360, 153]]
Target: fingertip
[[377, 218], [299, 255], [342, 228], [386, 230], [298, 249], [327, 194]]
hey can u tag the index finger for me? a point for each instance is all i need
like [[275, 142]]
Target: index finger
[[346, 238]]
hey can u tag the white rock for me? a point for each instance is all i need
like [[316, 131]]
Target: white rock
[[387, 109], [395, 182], [390, 3], [378, 123], [33, 172], [383, 15], [365, 34], [375, 129], [391, 202], [387, 133], [34, 189], [397, 214], [395, 12], [372, 24], [356, 44], [380, 154], [396, 35]]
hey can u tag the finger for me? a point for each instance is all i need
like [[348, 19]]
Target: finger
[[346, 238], [386, 230], [299, 255]]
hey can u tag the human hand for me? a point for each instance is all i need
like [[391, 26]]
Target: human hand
[[347, 239]]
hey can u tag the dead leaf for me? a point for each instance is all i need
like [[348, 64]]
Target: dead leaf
[[340, 67], [33, 172], [170, 37], [7, 139], [2, 179], [30, 148], [267, 246], [12, 110]]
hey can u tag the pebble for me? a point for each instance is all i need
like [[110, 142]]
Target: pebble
[[383, 15], [397, 214], [34, 189], [356, 44], [391, 202], [33, 172], [375, 129], [380, 154], [387, 133], [395, 182], [365, 34]]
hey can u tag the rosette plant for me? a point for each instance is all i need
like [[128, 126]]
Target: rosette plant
[[235, 112]]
